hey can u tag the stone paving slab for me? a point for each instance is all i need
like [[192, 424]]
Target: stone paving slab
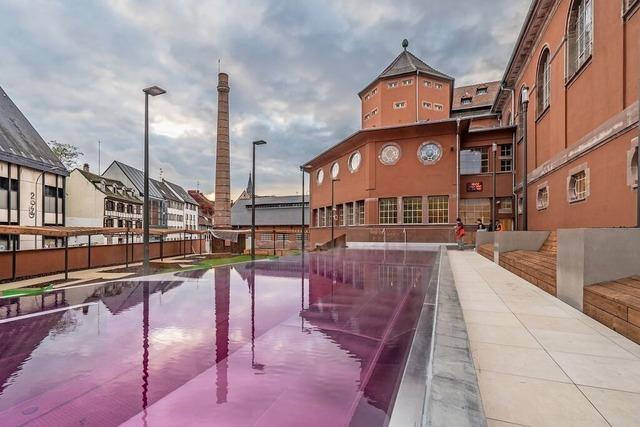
[[539, 361]]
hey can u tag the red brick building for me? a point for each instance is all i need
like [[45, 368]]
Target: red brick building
[[425, 152]]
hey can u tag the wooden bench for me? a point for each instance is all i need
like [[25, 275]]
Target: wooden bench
[[536, 267], [486, 251], [616, 304]]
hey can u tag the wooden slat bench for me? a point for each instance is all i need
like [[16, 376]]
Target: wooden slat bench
[[616, 304], [486, 251], [536, 267]]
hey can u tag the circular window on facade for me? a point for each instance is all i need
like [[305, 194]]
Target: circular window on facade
[[354, 161], [429, 152], [320, 176], [390, 154], [335, 170]]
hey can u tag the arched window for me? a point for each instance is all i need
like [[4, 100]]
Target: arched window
[[543, 83], [579, 35]]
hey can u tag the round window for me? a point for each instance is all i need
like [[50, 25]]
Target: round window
[[335, 170], [390, 154], [354, 161], [429, 152], [320, 176]]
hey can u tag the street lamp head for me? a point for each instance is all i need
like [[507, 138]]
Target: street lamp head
[[154, 91], [525, 94], [260, 142]]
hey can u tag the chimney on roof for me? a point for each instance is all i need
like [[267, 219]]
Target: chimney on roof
[[223, 164], [85, 167]]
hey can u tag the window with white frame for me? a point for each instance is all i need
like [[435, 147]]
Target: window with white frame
[[388, 210], [399, 104], [427, 105], [374, 112], [348, 213], [340, 215], [438, 107], [322, 218], [428, 83], [50, 195], [412, 210], [578, 186], [580, 35], [374, 91], [407, 82], [438, 209], [474, 160], [438, 85], [482, 90], [392, 85], [544, 81], [542, 197], [466, 100], [633, 168], [367, 116], [506, 158], [505, 205], [472, 209], [266, 237], [359, 212]]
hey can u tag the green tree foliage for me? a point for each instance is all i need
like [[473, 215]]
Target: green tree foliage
[[68, 154]]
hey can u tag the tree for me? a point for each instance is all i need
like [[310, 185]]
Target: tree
[[67, 153]]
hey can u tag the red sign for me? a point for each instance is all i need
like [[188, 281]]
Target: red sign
[[474, 186]]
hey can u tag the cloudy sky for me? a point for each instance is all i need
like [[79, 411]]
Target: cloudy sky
[[76, 69]]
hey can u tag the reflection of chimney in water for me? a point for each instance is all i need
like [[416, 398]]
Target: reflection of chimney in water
[[222, 212], [222, 278]]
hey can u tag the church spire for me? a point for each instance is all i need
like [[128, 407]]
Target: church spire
[[249, 186]]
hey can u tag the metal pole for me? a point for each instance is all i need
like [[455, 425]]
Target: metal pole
[[333, 209], [525, 107], [274, 241], [495, 166], [147, 216], [66, 258], [89, 252], [126, 252], [302, 225], [161, 247], [638, 164], [14, 238], [253, 204]]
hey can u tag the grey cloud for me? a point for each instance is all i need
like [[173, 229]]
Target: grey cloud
[[77, 70]]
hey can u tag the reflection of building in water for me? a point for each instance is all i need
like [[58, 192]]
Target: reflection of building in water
[[369, 309], [222, 300]]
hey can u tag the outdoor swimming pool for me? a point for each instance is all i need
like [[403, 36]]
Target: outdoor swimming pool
[[316, 341]]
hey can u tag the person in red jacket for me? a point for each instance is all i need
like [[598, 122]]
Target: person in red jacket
[[459, 234]]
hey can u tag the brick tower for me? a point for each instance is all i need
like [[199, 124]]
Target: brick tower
[[222, 213]]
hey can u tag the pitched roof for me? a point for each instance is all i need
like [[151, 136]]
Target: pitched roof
[[96, 180], [165, 190], [184, 195], [475, 95], [406, 63], [21, 144], [137, 179], [270, 210]]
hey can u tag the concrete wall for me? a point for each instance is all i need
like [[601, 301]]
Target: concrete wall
[[593, 255], [507, 241]]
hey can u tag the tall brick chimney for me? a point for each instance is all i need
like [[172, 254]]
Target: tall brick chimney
[[222, 213]]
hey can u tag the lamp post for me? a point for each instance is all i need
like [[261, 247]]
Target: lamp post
[[302, 224], [333, 210], [253, 200], [153, 91], [525, 106], [494, 147]]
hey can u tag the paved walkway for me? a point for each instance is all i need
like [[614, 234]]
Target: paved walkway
[[539, 361]]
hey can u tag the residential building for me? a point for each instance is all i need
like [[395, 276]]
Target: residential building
[[32, 179], [278, 219], [97, 201], [190, 206], [134, 178], [206, 208]]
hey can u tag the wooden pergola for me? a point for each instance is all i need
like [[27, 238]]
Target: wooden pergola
[[66, 232]]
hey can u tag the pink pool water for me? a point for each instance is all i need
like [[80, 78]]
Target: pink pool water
[[276, 345]]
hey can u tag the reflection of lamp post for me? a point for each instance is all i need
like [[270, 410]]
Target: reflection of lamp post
[[153, 91], [302, 169], [333, 210], [494, 147], [253, 200], [525, 106]]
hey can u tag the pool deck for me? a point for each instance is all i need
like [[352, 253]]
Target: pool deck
[[540, 362]]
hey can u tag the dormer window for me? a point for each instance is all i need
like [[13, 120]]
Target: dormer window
[[466, 100], [482, 90]]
